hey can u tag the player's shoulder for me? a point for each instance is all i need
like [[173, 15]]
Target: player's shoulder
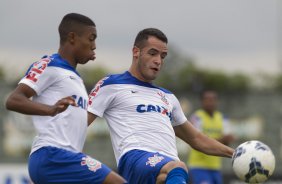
[[51, 66], [58, 62], [39, 65], [220, 113], [127, 79], [37, 68], [51, 62], [200, 113], [123, 78], [45, 63], [115, 79], [165, 90]]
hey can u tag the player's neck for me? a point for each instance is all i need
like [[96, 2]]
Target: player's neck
[[67, 55], [135, 74], [209, 112]]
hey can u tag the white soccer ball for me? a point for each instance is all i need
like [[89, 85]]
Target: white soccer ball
[[253, 162]]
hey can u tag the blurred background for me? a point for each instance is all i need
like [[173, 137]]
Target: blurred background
[[232, 46]]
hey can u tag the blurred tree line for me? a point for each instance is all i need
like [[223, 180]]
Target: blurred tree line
[[2, 74], [180, 75], [92, 75]]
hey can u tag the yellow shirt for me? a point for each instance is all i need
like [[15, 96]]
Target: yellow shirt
[[212, 127]]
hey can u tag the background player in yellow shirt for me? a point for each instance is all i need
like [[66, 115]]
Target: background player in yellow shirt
[[205, 169]]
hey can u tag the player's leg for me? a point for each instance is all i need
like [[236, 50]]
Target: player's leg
[[34, 164], [217, 177], [62, 166], [173, 172], [138, 166], [114, 178], [200, 176]]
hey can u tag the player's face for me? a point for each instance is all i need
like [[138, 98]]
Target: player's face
[[209, 101], [150, 59], [85, 45]]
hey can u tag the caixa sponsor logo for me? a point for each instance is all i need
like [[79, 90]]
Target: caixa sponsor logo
[[80, 101], [142, 108]]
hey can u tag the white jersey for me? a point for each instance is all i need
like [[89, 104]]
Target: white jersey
[[52, 78], [139, 114]]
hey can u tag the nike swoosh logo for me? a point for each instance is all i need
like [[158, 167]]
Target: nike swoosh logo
[[133, 91]]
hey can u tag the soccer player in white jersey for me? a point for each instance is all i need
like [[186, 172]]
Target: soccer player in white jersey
[[58, 108], [143, 119]]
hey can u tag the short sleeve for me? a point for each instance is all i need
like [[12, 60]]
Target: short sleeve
[[178, 116], [39, 76], [100, 98]]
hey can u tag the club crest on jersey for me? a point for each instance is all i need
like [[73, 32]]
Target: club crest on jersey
[[37, 69], [94, 91], [92, 164], [163, 98], [153, 161]]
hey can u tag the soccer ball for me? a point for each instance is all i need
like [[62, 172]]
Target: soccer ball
[[253, 162]]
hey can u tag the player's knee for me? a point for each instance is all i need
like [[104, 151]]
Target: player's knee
[[177, 164], [177, 175], [172, 165], [182, 165], [161, 178], [114, 178]]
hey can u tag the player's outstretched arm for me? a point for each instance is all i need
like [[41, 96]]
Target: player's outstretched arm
[[201, 142], [19, 101], [226, 139]]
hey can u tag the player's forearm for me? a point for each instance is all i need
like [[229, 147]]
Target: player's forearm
[[226, 139], [22, 104], [211, 146], [201, 142]]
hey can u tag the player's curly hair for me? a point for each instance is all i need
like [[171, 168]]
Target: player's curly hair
[[143, 36], [72, 22]]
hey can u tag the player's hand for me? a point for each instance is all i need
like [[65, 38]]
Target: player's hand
[[62, 105]]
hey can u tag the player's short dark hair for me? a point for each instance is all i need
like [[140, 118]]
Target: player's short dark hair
[[143, 36], [72, 22]]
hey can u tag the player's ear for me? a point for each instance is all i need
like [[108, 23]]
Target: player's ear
[[135, 52], [71, 37]]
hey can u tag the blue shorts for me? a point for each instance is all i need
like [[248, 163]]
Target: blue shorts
[[207, 176], [54, 165], [140, 167]]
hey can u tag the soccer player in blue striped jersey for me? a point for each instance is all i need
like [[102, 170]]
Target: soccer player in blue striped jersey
[[59, 109], [143, 119]]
